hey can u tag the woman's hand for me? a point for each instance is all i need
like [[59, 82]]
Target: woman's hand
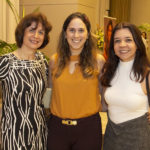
[[148, 116]]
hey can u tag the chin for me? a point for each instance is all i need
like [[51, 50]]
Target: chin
[[35, 47]]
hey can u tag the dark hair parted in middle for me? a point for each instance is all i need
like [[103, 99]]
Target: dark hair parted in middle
[[26, 22], [87, 60], [141, 62]]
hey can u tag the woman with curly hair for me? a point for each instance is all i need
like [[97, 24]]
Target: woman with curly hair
[[75, 123], [23, 123]]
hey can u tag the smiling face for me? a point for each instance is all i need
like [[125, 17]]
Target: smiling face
[[76, 34], [124, 45], [33, 36]]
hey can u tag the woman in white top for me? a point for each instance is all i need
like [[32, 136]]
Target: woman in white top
[[125, 91]]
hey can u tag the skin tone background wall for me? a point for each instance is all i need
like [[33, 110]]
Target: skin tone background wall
[[57, 10], [140, 13], [7, 21]]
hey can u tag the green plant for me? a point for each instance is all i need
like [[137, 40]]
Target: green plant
[[99, 34], [6, 47], [145, 27], [14, 10]]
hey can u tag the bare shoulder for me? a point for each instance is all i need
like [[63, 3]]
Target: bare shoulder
[[100, 58], [52, 61], [100, 61]]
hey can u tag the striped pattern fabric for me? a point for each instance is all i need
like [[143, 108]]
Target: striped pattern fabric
[[23, 123]]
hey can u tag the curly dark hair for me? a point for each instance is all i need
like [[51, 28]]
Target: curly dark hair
[[26, 22], [141, 62], [87, 60]]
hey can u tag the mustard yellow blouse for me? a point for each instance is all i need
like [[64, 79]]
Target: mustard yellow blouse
[[74, 96]]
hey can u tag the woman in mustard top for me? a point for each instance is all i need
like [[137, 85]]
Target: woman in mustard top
[[75, 123]]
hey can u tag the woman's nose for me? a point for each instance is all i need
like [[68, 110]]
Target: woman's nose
[[123, 43], [76, 34], [36, 34]]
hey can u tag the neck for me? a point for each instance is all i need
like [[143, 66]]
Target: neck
[[26, 54], [75, 52]]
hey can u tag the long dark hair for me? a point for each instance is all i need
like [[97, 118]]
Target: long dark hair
[[141, 62], [87, 56]]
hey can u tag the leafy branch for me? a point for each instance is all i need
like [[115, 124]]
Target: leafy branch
[[99, 34], [14, 10], [145, 27]]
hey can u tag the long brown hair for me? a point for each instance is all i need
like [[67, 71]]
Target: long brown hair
[[87, 56]]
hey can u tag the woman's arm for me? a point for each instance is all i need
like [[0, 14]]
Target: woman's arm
[[50, 69], [147, 94], [101, 62], [103, 102]]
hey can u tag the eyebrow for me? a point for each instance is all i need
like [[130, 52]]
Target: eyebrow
[[75, 28], [35, 27], [125, 37]]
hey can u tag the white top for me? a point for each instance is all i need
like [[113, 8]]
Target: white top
[[125, 98]]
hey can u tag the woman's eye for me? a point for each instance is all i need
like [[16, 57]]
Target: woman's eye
[[72, 30], [128, 40], [116, 41], [31, 30], [41, 32], [81, 30]]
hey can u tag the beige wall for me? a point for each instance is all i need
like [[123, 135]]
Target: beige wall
[[140, 11], [7, 21], [57, 10]]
